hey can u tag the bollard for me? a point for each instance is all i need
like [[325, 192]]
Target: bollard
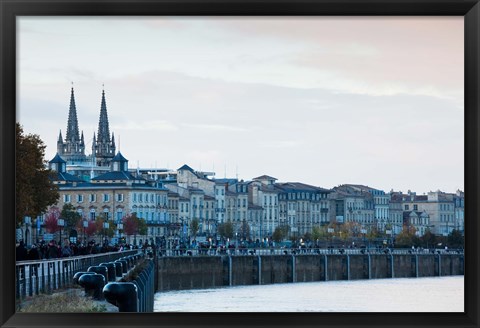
[[124, 295], [110, 270], [118, 268], [78, 275], [99, 269], [124, 265], [93, 284]]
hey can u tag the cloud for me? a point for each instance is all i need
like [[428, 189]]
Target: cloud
[[217, 127]]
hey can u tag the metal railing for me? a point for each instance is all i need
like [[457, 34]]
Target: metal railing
[[45, 276], [215, 251]]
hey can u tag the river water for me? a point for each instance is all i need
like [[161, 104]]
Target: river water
[[438, 294]]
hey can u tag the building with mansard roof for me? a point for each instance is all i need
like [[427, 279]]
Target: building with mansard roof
[[113, 195]]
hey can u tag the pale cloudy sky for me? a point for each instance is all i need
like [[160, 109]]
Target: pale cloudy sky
[[320, 100]]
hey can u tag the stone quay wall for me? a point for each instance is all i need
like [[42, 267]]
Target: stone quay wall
[[199, 272]]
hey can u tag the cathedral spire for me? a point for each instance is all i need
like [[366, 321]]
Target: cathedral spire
[[104, 146], [103, 134], [72, 124], [60, 138]]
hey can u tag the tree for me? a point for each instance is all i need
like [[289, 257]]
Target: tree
[[194, 226], [34, 190], [278, 234], [226, 229], [70, 215], [428, 239], [91, 229], [51, 220], [132, 225], [455, 239], [244, 229], [408, 237]]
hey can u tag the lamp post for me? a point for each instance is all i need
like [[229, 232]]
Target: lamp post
[[389, 232], [85, 225], [106, 225], [119, 228], [61, 224], [330, 232], [364, 232]]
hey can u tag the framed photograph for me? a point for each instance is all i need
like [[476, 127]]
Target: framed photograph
[[338, 99]]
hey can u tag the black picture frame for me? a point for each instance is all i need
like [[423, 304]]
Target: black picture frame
[[10, 9]]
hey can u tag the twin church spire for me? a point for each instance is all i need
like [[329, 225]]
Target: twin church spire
[[72, 148]]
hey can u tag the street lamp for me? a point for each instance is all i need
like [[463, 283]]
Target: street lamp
[[119, 227], [106, 225], [389, 232], [330, 232], [85, 225], [61, 224], [364, 232]]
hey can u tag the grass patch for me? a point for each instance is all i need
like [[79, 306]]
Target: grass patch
[[70, 301]]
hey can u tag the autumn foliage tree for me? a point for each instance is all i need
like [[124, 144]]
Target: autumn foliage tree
[[34, 191], [51, 220], [133, 225]]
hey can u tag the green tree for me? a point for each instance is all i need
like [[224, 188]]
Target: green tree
[[455, 239], [225, 229], [278, 234], [319, 233], [194, 226], [244, 229], [429, 239], [142, 227], [34, 190], [70, 215], [407, 238]]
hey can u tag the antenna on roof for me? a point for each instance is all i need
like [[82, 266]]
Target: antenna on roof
[[236, 171]]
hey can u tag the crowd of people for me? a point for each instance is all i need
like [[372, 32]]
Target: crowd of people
[[52, 249]]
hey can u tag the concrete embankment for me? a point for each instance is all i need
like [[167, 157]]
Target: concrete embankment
[[194, 272]]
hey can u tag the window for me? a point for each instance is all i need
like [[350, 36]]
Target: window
[[106, 214], [92, 214], [119, 215], [406, 207], [135, 197], [415, 207], [119, 197], [140, 197], [66, 198], [79, 198], [106, 197]]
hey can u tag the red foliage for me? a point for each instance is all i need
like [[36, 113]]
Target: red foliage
[[51, 221], [130, 224], [91, 229]]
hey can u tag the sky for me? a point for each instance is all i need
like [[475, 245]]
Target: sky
[[325, 101]]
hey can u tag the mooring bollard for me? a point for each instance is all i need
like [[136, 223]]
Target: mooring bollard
[[99, 269], [118, 268], [124, 295], [78, 275], [110, 270], [124, 265], [93, 284]]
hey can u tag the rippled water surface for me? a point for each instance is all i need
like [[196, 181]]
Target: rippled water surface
[[440, 294]]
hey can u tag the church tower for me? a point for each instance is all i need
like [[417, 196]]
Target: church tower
[[103, 146], [72, 149]]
